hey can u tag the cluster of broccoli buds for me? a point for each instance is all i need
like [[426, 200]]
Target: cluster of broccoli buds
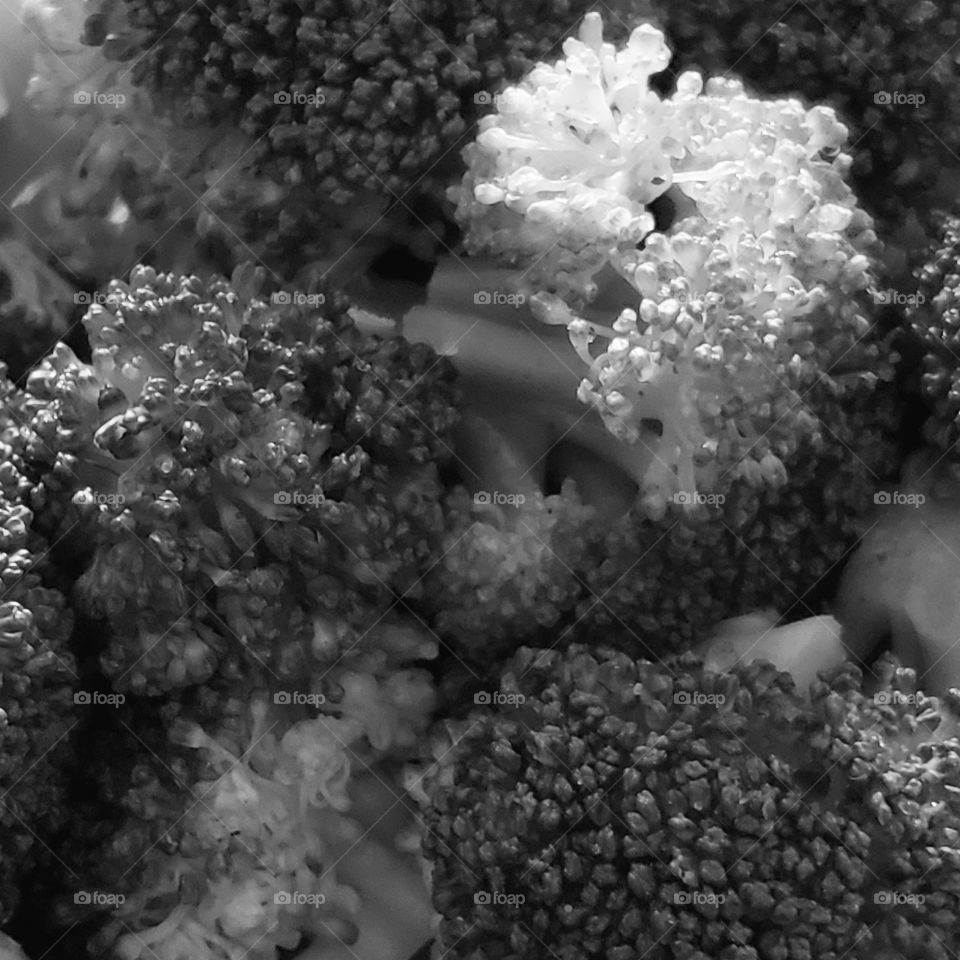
[[38, 671], [612, 808], [887, 68], [245, 477]]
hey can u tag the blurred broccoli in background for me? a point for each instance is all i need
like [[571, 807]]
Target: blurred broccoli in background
[[37, 296], [36, 303], [232, 827]]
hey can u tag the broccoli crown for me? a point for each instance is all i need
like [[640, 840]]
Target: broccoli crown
[[235, 470], [933, 321], [38, 675], [613, 808], [883, 66]]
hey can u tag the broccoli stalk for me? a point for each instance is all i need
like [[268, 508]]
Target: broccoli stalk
[[513, 368]]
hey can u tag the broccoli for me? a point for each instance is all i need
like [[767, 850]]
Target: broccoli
[[613, 807], [38, 672], [245, 491], [888, 70], [304, 135], [247, 830], [287, 528], [246, 478], [724, 363], [930, 334]]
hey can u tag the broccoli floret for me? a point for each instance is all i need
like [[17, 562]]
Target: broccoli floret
[[508, 571], [298, 134], [612, 808], [724, 363], [931, 323], [885, 68], [38, 673], [243, 478]]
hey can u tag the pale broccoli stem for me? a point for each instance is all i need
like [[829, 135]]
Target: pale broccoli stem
[[519, 373]]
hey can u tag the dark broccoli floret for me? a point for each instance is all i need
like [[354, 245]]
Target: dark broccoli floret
[[38, 675], [665, 582], [613, 808], [933, 329]]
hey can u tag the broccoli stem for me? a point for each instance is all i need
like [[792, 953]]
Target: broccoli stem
[[515, 368]]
